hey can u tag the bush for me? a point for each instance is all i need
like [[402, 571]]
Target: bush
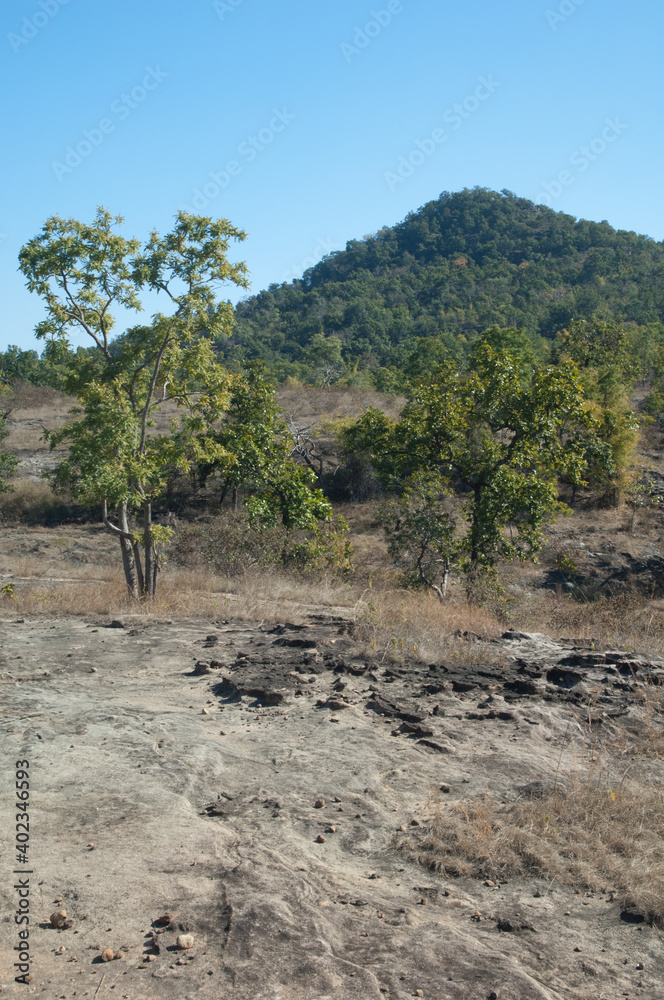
[[231, 546]]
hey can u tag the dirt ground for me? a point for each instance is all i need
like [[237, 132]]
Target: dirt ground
[[263, 801]]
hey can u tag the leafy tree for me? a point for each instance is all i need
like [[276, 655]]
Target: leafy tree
[[608, 367], [116, 457], [7, 460], [422, 528], [252, 432], [498, 440], [286, 498]]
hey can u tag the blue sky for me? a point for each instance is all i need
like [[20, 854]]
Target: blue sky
[[311, 123]]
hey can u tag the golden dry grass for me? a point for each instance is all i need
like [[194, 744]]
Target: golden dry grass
[[588, 830]]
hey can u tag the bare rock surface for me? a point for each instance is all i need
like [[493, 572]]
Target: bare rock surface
[[248, 850]]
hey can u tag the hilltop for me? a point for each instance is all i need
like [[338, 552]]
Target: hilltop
[[458, 265]]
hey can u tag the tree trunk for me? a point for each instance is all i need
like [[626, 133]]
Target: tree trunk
[[128, 562], [150, 568], [139, 569], [235, 499]]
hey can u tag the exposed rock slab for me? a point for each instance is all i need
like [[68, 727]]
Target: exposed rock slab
[[201, 795]]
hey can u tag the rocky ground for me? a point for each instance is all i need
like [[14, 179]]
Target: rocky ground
[[251, 782]]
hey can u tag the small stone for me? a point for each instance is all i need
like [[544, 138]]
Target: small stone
[[415, 822], [445, 789], [151, 958], [419, 993], [577, 949], [488, 882], [58, 899], [116, 623], [185, 941], [424, 902], [107, 955], [205, 711], [202, 667], [319, 804], [118, 955], [90, 846], [58, 918], [320, 839], [169, 917], [331, 829], [640, 966]]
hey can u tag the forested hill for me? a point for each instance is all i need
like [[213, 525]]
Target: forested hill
[[458, 265]]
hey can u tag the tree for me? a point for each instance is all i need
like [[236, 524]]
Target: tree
[[252, 431], [608, 367], [7, 460], [499, 439], [422, 528], [116, 457]]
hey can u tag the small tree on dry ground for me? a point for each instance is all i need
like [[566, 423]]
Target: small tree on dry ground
[[116, 456]]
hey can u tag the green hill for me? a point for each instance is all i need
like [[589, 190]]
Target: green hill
[[458, 265]]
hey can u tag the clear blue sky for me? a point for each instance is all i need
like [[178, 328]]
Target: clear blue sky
[[316, 118]]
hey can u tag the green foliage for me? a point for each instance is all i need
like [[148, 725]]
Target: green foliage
[[7, 460], [233, 544], [459, 265], [422, 527], [286, 498], [253, 436], [115, 455], [327, 547], [500, 439], [608, 368]]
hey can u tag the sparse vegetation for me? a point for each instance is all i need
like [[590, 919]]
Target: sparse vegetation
[[588, 829]]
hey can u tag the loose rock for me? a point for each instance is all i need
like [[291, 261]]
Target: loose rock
[[59, 918]]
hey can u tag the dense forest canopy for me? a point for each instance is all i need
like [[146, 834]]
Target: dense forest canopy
[[458, 265]]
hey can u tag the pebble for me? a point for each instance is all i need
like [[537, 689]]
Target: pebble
[[319, 804], [107, 955], [490, 884], [419, 993], [445, 789], [185, 941], [169, 917], [58, 918], [320, 839], [415, 822]]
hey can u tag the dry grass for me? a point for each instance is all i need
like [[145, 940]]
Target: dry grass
[[587, 831], [100, 589]]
